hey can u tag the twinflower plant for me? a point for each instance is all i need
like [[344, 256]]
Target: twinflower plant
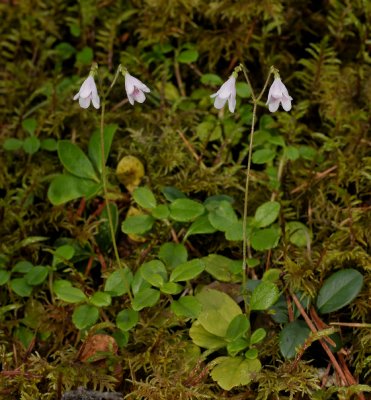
[[88, 93], [277, 95]]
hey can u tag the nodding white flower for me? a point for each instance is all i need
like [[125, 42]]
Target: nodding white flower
[[88, 92], [226, 92], [278, 94], [134, 89]]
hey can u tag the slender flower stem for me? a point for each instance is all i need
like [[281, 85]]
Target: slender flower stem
[[104, 177], [104, 183], [245, 243]]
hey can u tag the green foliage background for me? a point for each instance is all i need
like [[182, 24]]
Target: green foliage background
[[322, 51]]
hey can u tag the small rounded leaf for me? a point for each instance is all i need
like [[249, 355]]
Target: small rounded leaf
[[145, 198], [185, 210], [339, 290], [85, 316], [264, 296]]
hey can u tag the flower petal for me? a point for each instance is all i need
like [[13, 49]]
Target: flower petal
[[96, 100], [84, 101], [131, 99], [232, 102], [219, 102], [129, 84], [276, 88], [87, 87], [138, 95], [273, 105], [286, 102], [76, 96], [227, 88]]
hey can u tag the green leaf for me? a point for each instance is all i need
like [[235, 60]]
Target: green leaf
[[265, 239], [292, 153], [214, 322], [238, 327], [234, 371], [264, 296], [85, 56], [173, 254], [219, 267], [4, 277], [85, 316], [214, 300], [75, 160], [145, 198], [127, 319], [171, 288], [64, 188], [31, 145], [12, 144], [137, 224], [24, 335], [257, 336], [218, 310], [49, 144], [187, 56], [243, 90], [237, 346], [208, 131], [118, 283], [292, 336], [200, 225], [252, 354], [154, 272], [21, 287], [222, 216], [36, 275], [68, 293], [211, 79], [203, 338], [100, 299], [94, 148], [339, 290], [266, 214], [298, 233], [263, 156], [23, 267], [235, 231], [64, 50], [307, 152], [161, 211], [272, 275], [63, 253], [29, 125], [188, 270], [145, 298], [185, 210], [171, 193], [187, 306]]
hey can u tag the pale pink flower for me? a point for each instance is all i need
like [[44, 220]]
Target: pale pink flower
[[134, 89], [226, 92], [278, 94], [88, 92]]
